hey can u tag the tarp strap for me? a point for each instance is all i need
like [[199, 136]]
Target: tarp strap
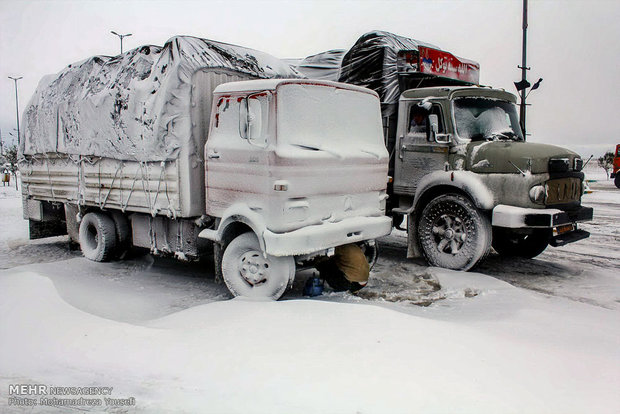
[[147, 194], [124, 207], [49, 178], [120, 168]]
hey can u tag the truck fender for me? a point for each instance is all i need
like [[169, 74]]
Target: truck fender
[[468, 182], [237, 213], [465, 181]]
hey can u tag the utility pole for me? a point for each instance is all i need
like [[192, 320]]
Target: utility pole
[[16, 105], [17, 114], [523, 84], [120, 36], [524, 69]]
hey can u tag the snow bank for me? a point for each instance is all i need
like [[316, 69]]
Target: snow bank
[[501, 349], [12, 226]]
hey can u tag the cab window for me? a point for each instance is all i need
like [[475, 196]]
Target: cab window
[[418, 120]]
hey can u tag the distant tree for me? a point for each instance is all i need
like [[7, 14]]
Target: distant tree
[[11, 157], [606, 162]]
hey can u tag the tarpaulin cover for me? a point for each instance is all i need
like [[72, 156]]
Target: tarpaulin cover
[[322, 66], [372, 62], [135, 106]]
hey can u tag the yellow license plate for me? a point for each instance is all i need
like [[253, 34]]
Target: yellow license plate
[[564, 229]]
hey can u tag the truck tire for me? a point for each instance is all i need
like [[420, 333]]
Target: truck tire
[[453, 233], [371, 251], [509, 243], [617, 180], [123, 234], [247, 272], [97, 237]]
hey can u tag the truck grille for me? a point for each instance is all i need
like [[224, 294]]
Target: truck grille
[[563, 190]]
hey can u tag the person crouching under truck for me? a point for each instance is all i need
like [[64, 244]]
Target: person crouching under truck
[[347, 269]]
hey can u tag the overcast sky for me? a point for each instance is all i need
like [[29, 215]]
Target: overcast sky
[[573, 45]]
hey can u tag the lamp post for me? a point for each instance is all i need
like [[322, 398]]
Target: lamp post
[[120, 36], [16, 104], [523, 84], [524, 69]]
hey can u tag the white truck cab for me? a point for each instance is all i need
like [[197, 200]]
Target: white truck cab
[[301, 164]]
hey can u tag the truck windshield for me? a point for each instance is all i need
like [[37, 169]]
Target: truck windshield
[[327, 119], [480, 119]]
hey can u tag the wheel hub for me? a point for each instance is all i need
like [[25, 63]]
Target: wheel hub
[[253, 267], [449, 233]]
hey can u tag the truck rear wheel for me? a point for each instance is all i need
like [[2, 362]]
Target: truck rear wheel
[[97, 237], [617, 179], [509, 243], [248, 272], [123, 234], [453, 233]]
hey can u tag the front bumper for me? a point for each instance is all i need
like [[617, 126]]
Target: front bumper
[[518, 217], [323, 236]]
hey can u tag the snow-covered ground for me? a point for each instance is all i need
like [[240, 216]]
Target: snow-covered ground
[[535, 336]]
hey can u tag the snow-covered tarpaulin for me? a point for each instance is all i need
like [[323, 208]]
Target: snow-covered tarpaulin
[[134, 106], [374, 61], [322, 66]]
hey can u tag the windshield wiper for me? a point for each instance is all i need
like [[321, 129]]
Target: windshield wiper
[[504, 134], [308, 147], [316, 148]]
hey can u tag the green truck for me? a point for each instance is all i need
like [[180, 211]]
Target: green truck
[[463, 174]]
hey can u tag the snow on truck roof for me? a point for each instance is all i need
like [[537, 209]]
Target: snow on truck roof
[[273, 84], [136, 105], [452, 91]]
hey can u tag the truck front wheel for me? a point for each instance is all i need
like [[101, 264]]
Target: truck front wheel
[[453, 233], [97, 236], [510, 243], [617, 179], [248, 272]]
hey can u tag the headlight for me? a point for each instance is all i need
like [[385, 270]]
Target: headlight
[[538, 193], [558, 165]]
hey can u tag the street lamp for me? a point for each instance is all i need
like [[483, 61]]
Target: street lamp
[[16, 104], [120, 36], [523, 84]]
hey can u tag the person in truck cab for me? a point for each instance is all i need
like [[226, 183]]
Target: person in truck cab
[[417, 124]]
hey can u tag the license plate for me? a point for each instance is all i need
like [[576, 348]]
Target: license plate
[[564, 229], [563, 190]]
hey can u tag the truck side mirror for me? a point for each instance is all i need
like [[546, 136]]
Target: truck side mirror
[[433, 121], [250, 121], [255, 124], [243, 118]]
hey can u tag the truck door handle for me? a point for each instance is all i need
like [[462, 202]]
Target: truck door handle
[[401, 147], [213, 155]]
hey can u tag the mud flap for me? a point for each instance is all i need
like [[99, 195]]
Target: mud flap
[[413, 249], [217, 261], [42, 229]]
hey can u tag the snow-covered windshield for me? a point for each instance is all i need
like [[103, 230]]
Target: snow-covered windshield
[[485, 118], [325, 118]]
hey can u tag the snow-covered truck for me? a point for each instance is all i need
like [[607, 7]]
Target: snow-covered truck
[[200, 144], [463, 174]]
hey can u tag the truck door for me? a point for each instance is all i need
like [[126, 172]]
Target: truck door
[[236, 151], [417, 154]]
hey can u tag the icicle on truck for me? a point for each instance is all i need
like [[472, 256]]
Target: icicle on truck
[[462, 172], [189, 145]]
